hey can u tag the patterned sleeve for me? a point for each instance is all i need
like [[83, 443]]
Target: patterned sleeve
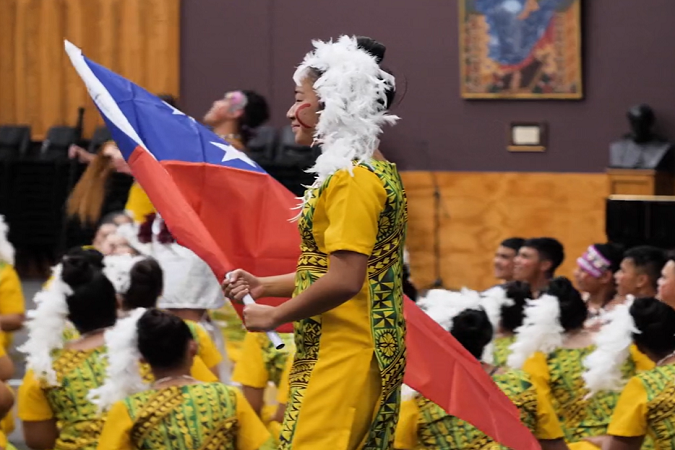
[[116, 434], [32, 402], [406, 430], [252, 434], [630, 415], [11, 295], [536, 367], [353, 207], [250, 369]]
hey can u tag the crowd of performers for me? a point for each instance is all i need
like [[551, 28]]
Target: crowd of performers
[[133, 344]]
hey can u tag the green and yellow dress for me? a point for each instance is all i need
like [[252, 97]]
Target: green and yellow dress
[[502, 350], [78, 420], [646, 407], [349, 362], [424, 425], [559, 377], [192, 417], [232, 329], [11, 298]]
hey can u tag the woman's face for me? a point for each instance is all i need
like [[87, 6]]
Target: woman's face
[[304, 112], [667, 284]]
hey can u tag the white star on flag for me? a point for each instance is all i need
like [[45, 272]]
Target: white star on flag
[[232, 154], [178, 112]]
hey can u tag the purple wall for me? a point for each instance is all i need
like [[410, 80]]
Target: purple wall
[[629, 48]]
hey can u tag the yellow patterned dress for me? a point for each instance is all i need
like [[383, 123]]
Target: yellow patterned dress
[[11, 298], [348, 368], [647, 408], [424, 425], [502, 351], [559, 377], [209, 416], [77, 419]]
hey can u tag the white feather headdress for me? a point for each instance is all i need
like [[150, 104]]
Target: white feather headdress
[[352, 88], [613, 341], [123, 373], [6, 248], [46, 325], [118, 270], [541, 331]]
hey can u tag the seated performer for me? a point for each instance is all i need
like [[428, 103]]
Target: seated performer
[[537, 261], [177, 411], [424, 425]]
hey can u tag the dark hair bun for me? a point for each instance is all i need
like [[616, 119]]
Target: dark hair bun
[[512, 316], [77, 271], [472, 329], [573, 309], [656, 322], [162, 339], [375, 48], [146, 284]]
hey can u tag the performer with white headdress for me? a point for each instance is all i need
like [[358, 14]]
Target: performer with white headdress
[[53, 403], [551, 346], [176, 411], [424, 424], [347, 300], [12, 305]]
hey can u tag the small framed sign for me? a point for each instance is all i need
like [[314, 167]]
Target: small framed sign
[[527, 137]]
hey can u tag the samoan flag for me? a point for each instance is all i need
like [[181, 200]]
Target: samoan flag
[[224, 207]]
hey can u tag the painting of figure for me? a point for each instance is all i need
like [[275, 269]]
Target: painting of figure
[[513, 49]]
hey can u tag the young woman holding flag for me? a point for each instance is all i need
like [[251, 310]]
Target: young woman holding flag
[[347, 292]]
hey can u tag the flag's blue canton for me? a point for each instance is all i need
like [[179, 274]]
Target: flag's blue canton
[[169, 134]]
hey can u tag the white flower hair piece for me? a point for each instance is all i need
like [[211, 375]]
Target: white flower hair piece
[[6, 248], [46, 324], [613, 341], [492, 301], [541, 331], [352, 88], [118, 270], [123, 373]]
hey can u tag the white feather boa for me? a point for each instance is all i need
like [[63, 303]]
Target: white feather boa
[[350, 87], [6, 248], [541, 331], [123, 373], [613, 341], [492, 301], [46, 324], [443, 306]]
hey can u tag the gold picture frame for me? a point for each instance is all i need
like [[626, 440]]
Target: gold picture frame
[[547, 67]]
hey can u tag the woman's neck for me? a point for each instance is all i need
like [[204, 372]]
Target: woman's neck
[[377, 154], [178, 376], [88, 340], [226, 128]]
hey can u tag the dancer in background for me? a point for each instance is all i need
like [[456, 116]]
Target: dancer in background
[[177, 411], [236, 116], [53, 403], [12, 305], [505, 256], [537, 261], [424, 425], [347, 300]]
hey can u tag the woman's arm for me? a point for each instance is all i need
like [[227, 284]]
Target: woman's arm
[[344, 279], [40, 435], [623, 443], [278, 286]]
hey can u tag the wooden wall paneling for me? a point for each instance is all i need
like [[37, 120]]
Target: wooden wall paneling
[[50, 61], [481, 209], [7, 61], [137, 38]]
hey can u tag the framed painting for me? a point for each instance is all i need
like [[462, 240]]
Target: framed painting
[[520, 49]]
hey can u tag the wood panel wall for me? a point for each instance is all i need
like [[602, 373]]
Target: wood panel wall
[[38, 86], [478, 210]]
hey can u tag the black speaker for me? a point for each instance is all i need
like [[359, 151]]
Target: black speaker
[[634, 220]]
